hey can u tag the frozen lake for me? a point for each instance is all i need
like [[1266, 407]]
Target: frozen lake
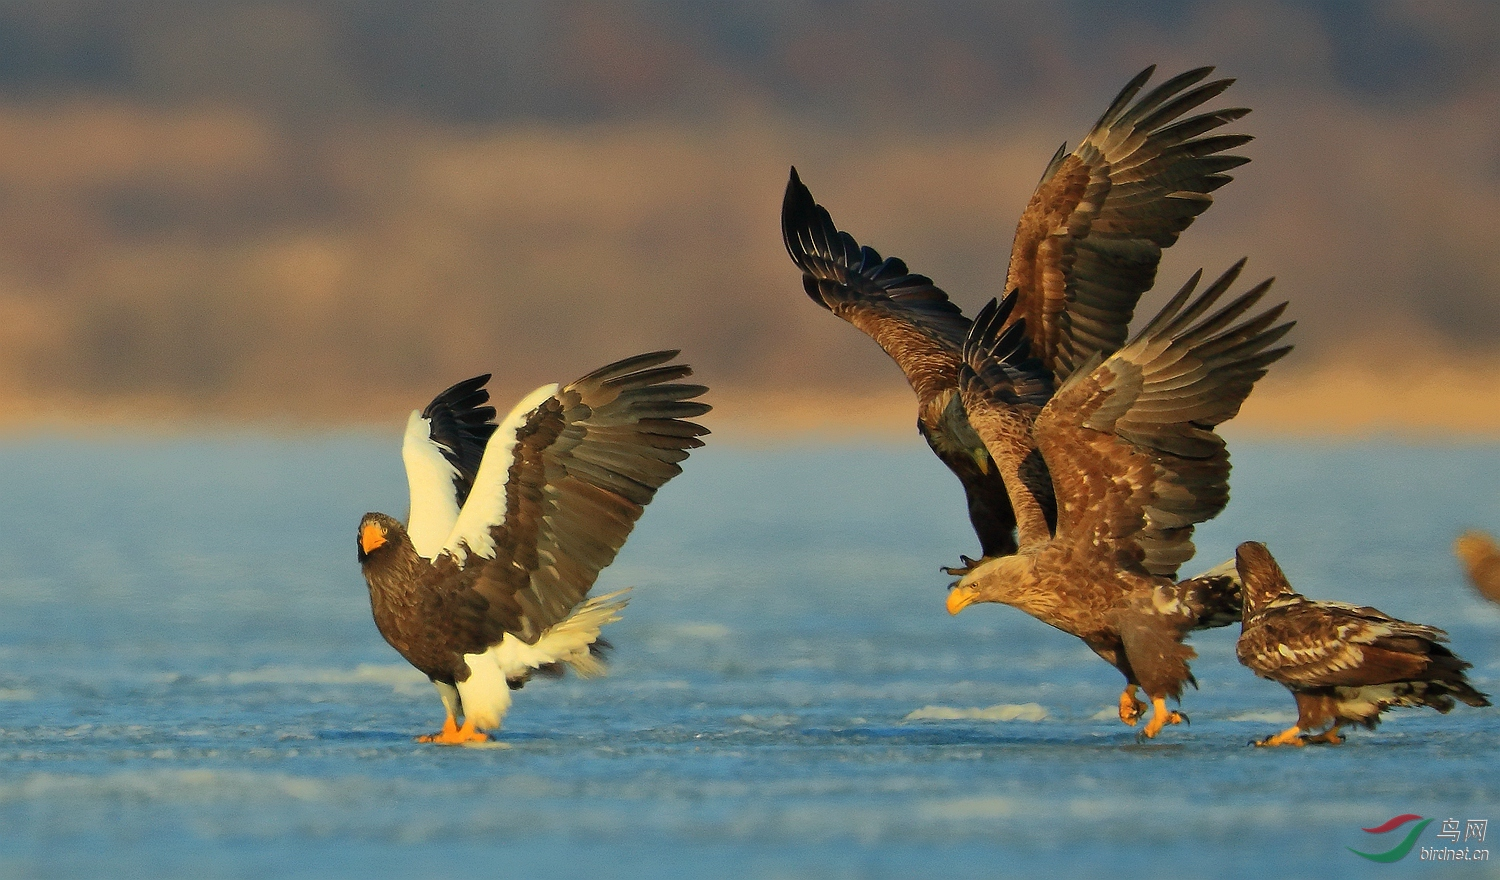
[[191, 684]]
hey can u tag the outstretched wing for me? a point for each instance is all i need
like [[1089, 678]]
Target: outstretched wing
[[1088, 244], [922, 331], [1130, 442], [442, 449], [563, 484], [910, 318]]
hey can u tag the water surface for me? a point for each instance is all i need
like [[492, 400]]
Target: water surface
[[191, 685]]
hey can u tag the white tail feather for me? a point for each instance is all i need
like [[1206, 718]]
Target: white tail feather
[[566, 641]]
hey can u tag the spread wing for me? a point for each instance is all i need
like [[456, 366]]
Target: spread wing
[[442, 449], [563, 484], [1088, 244], [909, 316], [1130, 442], [914, 322]]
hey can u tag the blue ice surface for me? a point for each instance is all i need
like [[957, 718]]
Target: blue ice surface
[[191, 684]]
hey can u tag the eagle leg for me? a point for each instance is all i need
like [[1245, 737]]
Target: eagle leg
[[1331, 736], [1131, 709], [1289, 737], [453, 735], [1161, 716]]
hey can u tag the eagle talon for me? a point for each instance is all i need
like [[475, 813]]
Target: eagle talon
[[1161, 716], [1330, 737], [969, 565], [453, 735], [1288, 737], [1131, 709]]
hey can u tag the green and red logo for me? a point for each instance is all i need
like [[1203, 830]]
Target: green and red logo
[[1399, 851]]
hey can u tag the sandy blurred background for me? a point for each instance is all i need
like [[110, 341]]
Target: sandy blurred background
[[323, 212]]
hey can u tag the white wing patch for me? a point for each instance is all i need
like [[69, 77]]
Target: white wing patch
[[486, 505], [429, 478]]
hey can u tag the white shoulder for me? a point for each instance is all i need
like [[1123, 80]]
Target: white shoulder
[[485, 508], [429, 478]]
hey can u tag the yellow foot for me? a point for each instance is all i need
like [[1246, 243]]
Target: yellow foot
[[453, 735], [1131, 709], [1292, 736], [968, 566], [1161, 716], [1330, 736]]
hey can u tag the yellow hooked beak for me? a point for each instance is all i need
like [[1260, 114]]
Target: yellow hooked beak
[[371, 537], [960, 598]]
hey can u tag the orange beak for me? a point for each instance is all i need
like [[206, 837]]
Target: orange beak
[[371, 537], [960, 598]]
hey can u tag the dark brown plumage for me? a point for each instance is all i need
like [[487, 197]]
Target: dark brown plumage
[[1086, 248], [1344, 664], [559, 490], [1134, 462], [1481, 559]]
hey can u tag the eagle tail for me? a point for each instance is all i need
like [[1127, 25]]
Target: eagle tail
[[575, 640]]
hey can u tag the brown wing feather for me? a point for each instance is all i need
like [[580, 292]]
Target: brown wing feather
[[1136, 432], [914, 322], [1003, 388], [911, 319], [1089, 241], [584, 466]]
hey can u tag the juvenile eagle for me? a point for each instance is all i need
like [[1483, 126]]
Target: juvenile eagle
[[1344, 664], [1086, 248], [1134, 462], [511, 524]]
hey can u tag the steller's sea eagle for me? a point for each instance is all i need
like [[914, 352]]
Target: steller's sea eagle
[[511, 524], [1128, 441], [1086, 247], [1344, 664]]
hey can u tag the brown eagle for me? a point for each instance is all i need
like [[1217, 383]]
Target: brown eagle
[[1086, 248], [511, 524], [1481, 559], [1129, 444], [1344, 664]]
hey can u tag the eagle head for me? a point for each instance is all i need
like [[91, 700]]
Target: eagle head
[[377, 533]]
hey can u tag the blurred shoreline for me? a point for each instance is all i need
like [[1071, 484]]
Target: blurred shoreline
[[1336, 402]]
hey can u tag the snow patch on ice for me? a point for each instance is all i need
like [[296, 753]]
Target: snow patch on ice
[[1265, 716], [1001, 712]]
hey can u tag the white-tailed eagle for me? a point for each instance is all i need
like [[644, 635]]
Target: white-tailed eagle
[[1086, 247], [1344, 664], [1133, 461]]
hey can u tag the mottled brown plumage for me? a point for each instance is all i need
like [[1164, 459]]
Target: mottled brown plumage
[[1134, 462], [581, 466], [1344, 664], [1086, 248], [1481, 559]]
